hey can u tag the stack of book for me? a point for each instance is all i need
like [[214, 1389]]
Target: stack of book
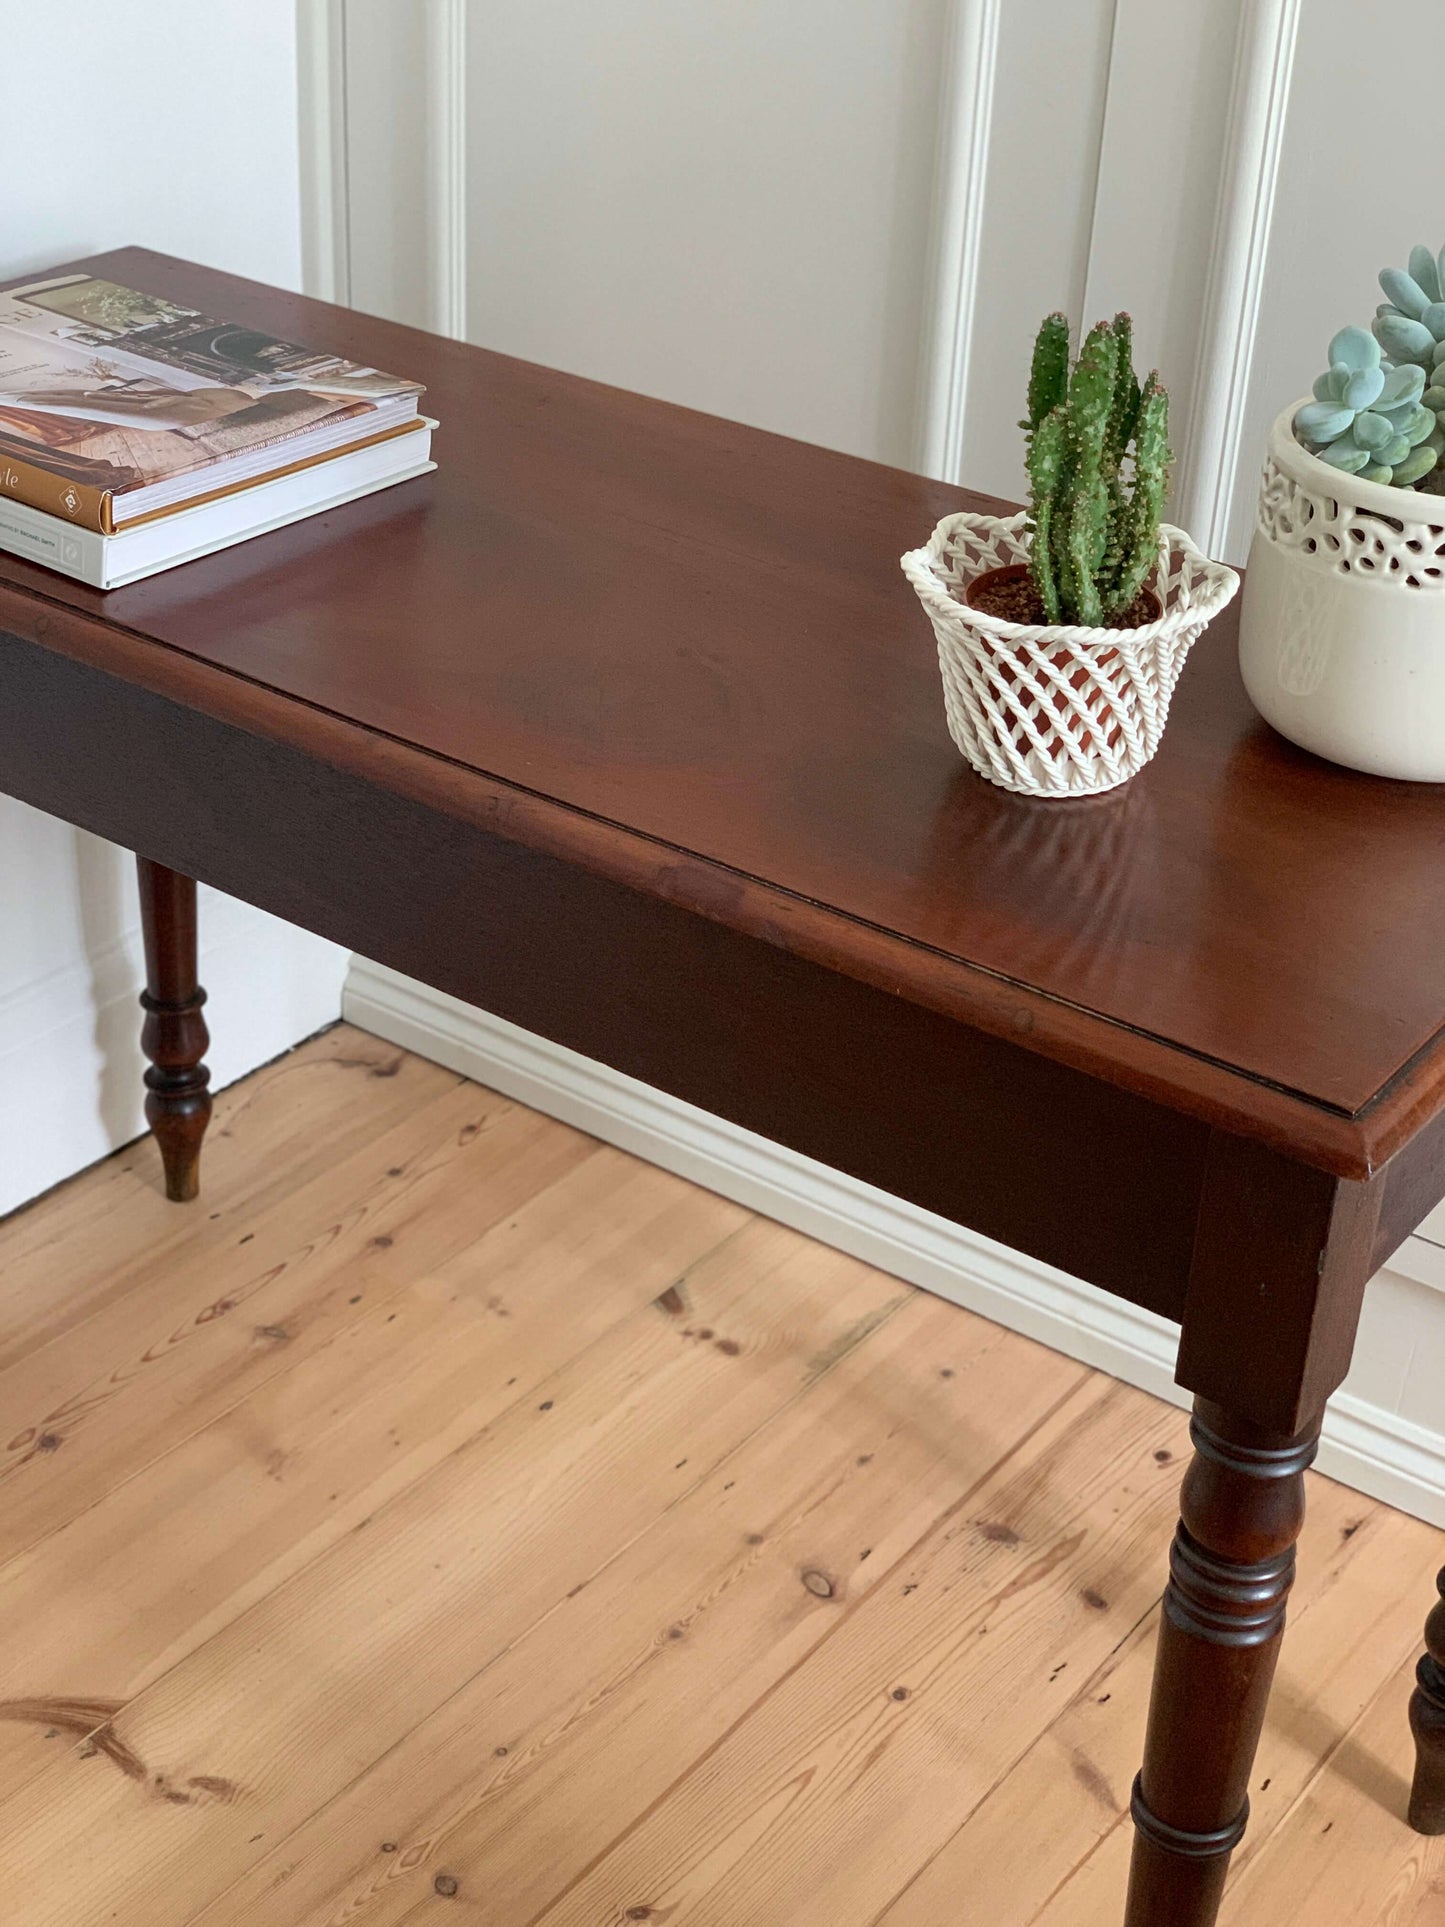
[[136, 433]]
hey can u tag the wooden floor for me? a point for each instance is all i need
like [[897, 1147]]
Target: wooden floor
[[450, 1512]]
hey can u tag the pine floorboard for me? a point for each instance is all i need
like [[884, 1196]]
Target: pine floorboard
[[453, 1518]]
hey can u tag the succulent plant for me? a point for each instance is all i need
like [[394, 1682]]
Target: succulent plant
[[1367, 417], [1095, 531], [1410, 325]]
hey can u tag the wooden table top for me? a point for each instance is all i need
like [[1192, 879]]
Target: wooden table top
[[697, 635]]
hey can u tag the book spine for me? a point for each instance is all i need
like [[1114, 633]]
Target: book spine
[[80, 503], [41, 538]]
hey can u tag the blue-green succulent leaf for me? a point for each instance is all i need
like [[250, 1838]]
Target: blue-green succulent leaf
[[1434, 398], [1403, 339], [1439, 353], [1326, 388], [1434, 319], [1362, 387], [1395, 451], [1440, 268], [1402, 385], [1377, 473], [1425, 270], [1373, 431], [1420, 425], [1406, 293], [1322, 421], [1355, 348], [1347, 455], [1418, 462]]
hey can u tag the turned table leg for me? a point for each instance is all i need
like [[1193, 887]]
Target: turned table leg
[[1427, 1723], [174, 1036], [1230, 1572]]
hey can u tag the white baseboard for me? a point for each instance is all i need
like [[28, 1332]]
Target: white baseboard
[[1378, 1450]]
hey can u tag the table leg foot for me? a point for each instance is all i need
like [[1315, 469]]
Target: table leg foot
[[1427, 1723], [1230, 1572], [174, 1035]]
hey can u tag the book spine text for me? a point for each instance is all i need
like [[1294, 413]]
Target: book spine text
[[76, 552], [79, 503]]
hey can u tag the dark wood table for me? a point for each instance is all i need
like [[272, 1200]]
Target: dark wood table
[[625, 725]]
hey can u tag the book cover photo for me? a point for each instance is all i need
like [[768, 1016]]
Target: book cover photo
[[114, 402]]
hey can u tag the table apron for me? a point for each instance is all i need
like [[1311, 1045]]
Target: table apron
[[1098, 1181]]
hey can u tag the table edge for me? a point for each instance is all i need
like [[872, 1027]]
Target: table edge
[[1347, 1145]]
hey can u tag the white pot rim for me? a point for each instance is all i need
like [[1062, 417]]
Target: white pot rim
[[1176, 551], [1404, 504]]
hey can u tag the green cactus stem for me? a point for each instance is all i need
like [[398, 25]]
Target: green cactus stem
[[1126, 391], [1046, 457], [1122, 420], [1140, 540], [1049, 374], [1086, 532], [1094, 509]]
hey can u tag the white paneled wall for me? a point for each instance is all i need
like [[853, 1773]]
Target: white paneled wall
[[843, 219], [728, 205], [178, 132]]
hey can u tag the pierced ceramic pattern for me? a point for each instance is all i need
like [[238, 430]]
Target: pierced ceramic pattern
[[1055, 709], [1342, 629], [1323, 518]]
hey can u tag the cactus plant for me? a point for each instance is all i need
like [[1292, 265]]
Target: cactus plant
[[1367, 417], [1094, 530]]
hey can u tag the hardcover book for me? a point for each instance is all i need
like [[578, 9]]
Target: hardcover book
[[219, 521], [117, 406]]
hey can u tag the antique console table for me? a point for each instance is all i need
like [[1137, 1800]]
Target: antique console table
[[625, 725]]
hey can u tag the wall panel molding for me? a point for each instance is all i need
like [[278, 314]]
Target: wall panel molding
[[321, 82], [1371, 1442], [966, 113], [1239, 254], [446, 134]]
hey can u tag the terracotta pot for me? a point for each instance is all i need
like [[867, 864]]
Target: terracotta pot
[[1014, 571]]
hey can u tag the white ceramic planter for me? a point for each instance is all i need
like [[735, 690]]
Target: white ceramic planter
[[1342, 621], [1055, 709]]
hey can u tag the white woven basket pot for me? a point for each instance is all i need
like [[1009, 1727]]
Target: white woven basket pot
[[1057, 710], [1342, 627]]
